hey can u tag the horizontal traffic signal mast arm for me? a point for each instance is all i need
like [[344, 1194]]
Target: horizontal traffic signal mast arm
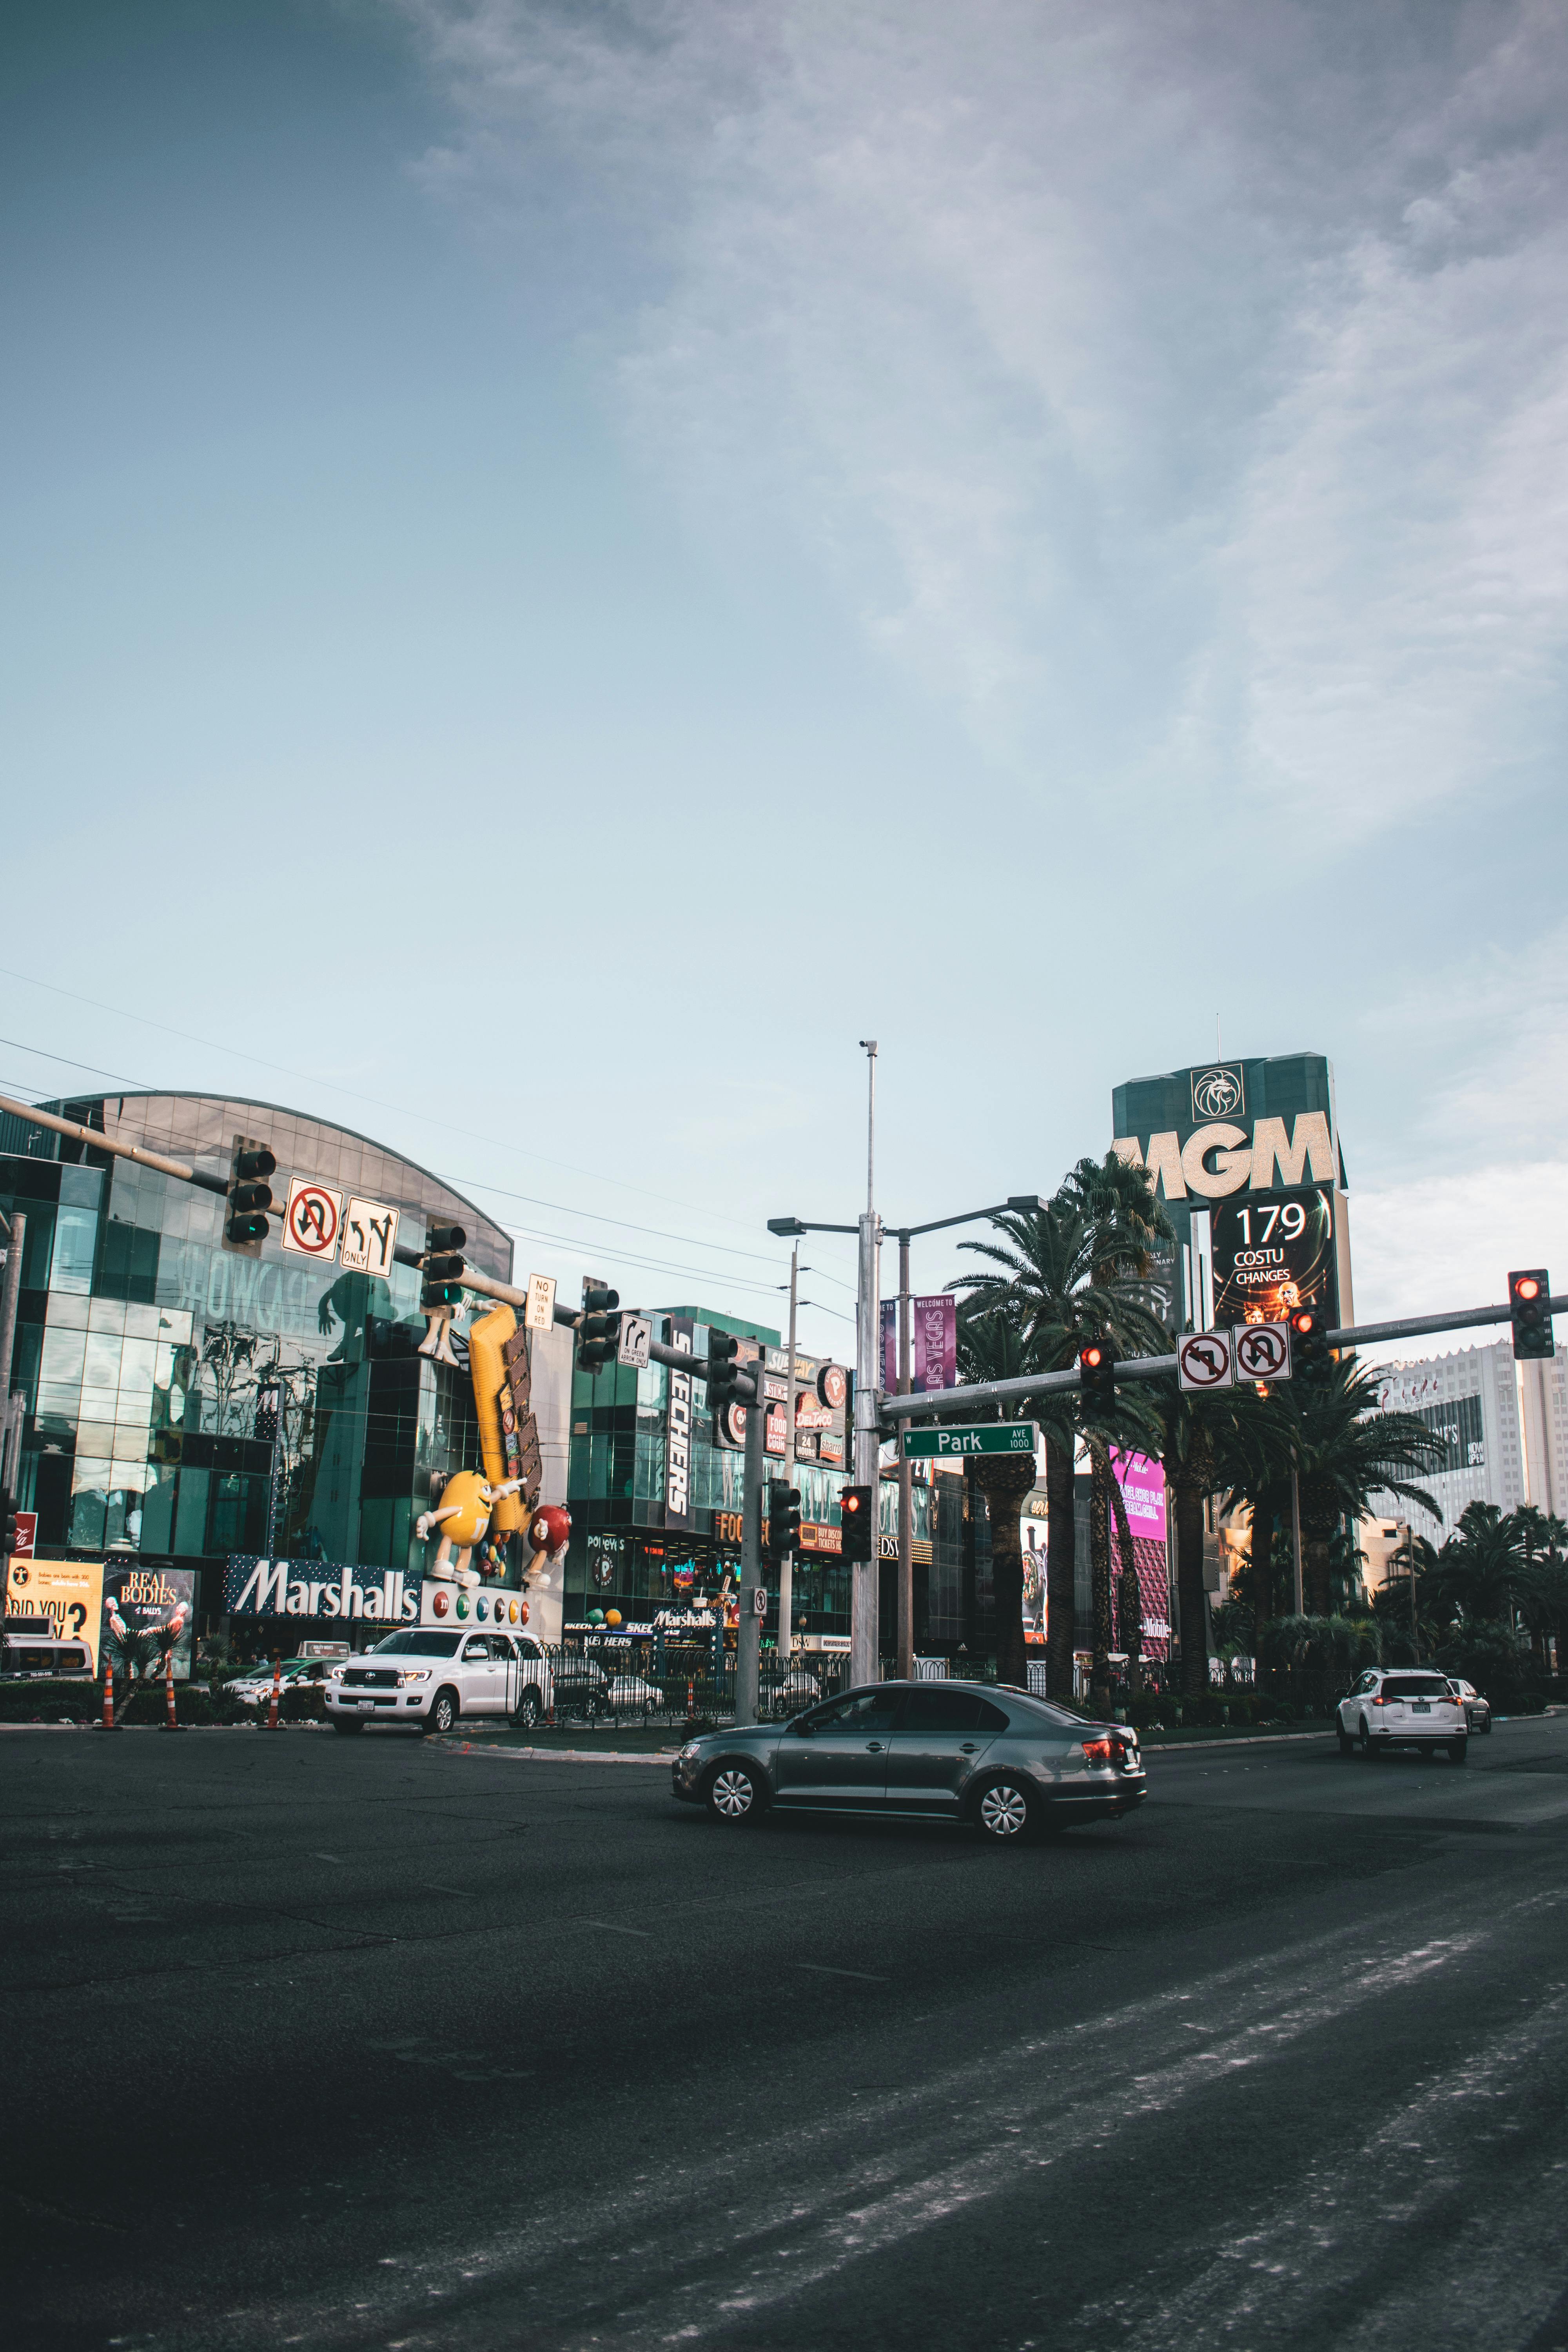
[[1153, 1368], [486, 1286], [113, 1145]]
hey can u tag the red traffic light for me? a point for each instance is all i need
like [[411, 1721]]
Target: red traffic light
[[1527, 1286], [1304, 1322], [1091, 1359]]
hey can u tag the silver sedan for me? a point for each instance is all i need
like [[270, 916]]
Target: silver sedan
[[1007, 1763]]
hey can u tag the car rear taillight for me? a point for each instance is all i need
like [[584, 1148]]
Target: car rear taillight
[[1098, 1751]]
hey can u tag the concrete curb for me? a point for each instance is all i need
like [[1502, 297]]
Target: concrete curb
[[554, 1755]]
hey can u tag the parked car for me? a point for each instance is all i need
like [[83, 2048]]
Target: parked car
[[1403, 1707], [424, 1678], [254, 1688], [999, 1760], [33, 1645], [782, 1692], [1478, 1710]]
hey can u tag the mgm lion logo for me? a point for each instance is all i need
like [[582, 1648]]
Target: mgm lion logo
[[1216, 1092]]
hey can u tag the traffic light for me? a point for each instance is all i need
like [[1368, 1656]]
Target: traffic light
[[1529, 1301], [723, 1370], [1097, 1374], [8, 1527], [249, 1196], [598, 1327], [784, 1520], [1309, 1341], [858, 1522]]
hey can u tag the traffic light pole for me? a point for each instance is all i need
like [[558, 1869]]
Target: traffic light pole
[[749, 1635], [906, 1486], [903, 1409], [865, 1575]]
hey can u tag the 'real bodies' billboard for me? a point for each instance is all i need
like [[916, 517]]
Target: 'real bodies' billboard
[[1246, 1160]]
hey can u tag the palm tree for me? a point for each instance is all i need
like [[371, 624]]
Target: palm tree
[[1326, 1428], [1484, 1570], [991, 1346], [1074, 1271]]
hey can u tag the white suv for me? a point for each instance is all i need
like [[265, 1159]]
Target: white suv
[[1403, 1707], [426, 1679]]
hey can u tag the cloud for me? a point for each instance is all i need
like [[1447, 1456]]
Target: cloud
[[1178, 400]]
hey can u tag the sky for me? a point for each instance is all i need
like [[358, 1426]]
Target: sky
[[567, 563]]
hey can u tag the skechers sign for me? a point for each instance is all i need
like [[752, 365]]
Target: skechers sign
[[318, 1588]]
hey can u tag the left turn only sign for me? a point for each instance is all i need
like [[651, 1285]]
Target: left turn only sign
[[314, 1218]]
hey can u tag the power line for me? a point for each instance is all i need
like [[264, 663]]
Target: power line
[[282, 1069], [473, 1183]]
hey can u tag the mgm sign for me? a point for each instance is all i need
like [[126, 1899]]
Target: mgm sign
[[1244, 1158]]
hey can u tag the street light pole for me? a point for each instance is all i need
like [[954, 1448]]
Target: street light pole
[[786, 1565], [864, 1646], [906, 1485], [748, 1633]]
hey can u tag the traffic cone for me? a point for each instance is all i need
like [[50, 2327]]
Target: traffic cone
[[108, 1693], [277, 1686], [174, 1722]]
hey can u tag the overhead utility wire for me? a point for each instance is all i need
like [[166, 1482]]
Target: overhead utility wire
[[283, 1071], [476, 1184]]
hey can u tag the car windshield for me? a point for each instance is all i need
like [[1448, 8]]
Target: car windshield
[[417, 1643], [1416, 1686]]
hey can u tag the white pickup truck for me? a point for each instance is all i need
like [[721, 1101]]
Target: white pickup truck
[[428, 1679]]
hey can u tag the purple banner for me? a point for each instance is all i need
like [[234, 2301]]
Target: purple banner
[[933, 1343], [933, 1355]]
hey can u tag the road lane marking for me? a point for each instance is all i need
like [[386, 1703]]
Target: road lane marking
[[613, 1928], [815, 1968]]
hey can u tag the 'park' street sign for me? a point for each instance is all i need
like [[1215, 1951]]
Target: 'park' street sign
[[984, 1437]]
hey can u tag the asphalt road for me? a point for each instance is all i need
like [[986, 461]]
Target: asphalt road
[[349, 2043]]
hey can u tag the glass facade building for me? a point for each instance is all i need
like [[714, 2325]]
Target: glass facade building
[[152, 1355]]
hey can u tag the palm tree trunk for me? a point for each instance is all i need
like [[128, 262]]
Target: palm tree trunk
[[1061, 1569], [1005, 1481], [1315, 1573], [1189, 1517]]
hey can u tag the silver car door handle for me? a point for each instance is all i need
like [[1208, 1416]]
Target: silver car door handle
[[967, 1748], [873, 1747]]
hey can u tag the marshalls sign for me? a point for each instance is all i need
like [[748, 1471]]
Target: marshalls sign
[[318, 1588]]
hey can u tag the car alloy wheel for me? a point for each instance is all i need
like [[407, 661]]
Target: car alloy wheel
[[1004, 1812], [443, 1712], [732, 1793], [527, 1714]]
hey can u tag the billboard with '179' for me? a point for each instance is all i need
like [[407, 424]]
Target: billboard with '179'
[[1274, 1251]]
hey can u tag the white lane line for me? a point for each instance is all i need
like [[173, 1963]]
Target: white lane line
[[328, 1857], [813, 1968], [613, 1928], [810, 2199]]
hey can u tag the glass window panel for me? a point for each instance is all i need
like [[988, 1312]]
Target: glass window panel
[[138, 1359], [174, 1325], [142, 1322], [158, 1514], [101, 1368], [76, 1236], [94, 1435], [64, 1351], [191, 1514], [68, 1313], [88, 1513], [107, 1315]]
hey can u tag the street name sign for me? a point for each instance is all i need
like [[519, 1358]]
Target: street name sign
[[1261, 1352], [1203, 1361], [983, 1437]]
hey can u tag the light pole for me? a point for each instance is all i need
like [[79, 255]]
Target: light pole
[[786, 1565], [863, 1650]]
